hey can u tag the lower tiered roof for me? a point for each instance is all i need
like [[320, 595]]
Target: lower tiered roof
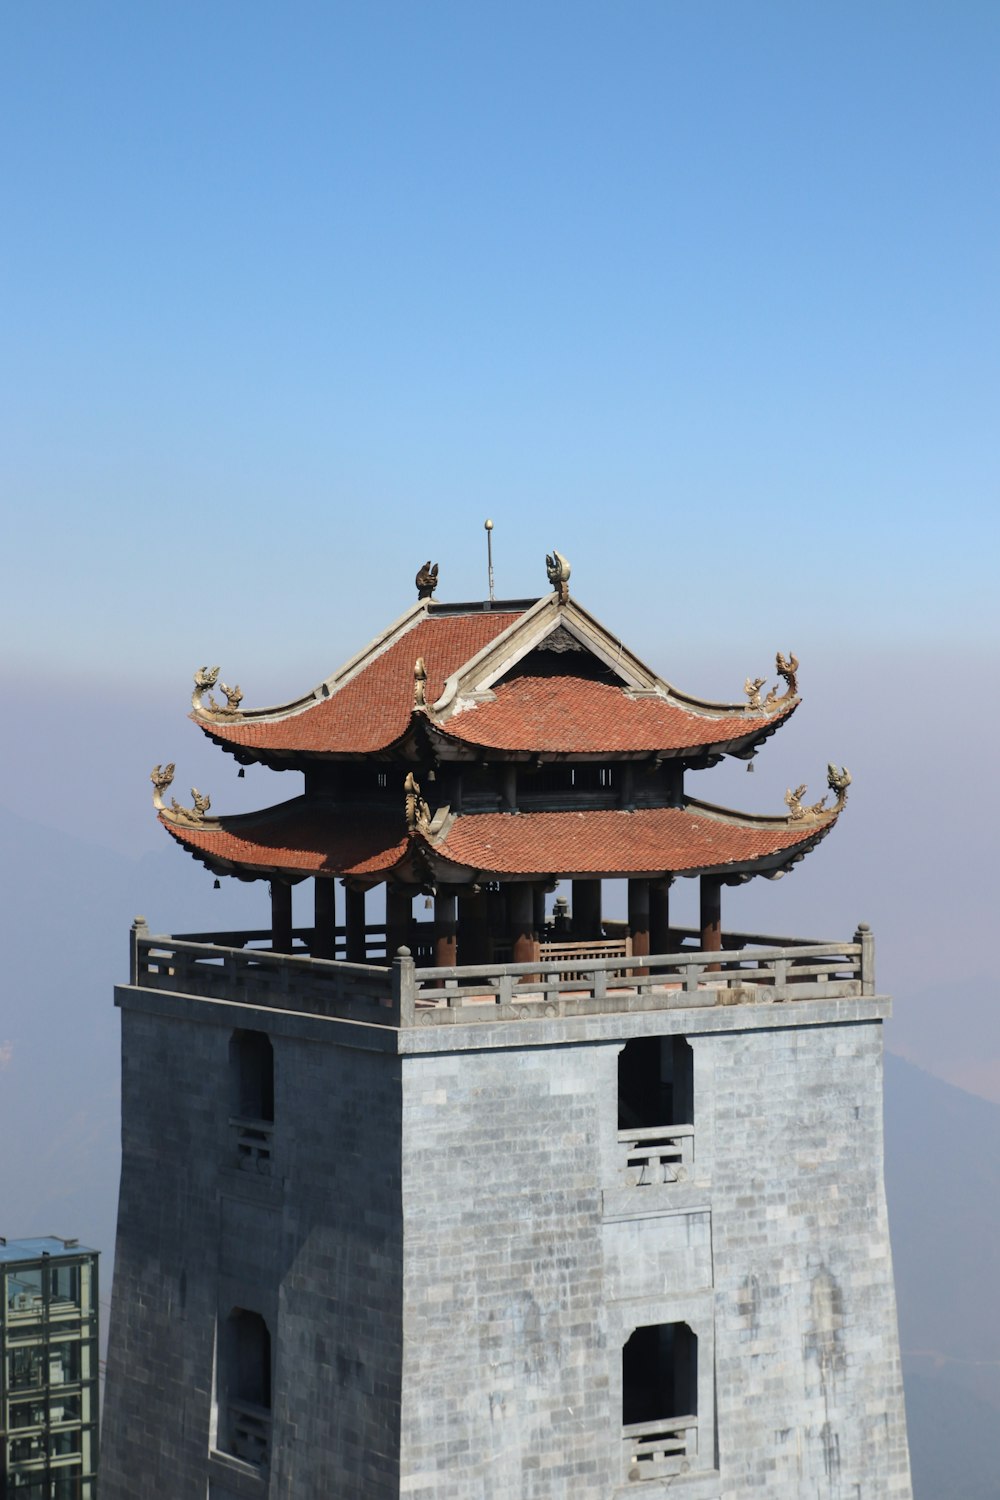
[[307, 837]]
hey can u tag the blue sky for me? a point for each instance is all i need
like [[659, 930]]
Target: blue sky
[[704, 295], [294, 296]]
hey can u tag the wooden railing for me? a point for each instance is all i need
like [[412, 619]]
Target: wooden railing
[[747, 970], [655, 1450]]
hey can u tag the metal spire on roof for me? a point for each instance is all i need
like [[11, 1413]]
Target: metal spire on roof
[[488, 528]]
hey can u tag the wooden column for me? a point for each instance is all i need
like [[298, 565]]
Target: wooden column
[[521, 904], [711, 914], [660, 940], [398, 918], [538, 912], [324, 932], [638, 919], [587, 911], [354, 921], [281, 916], [445, 927], [473, 928]]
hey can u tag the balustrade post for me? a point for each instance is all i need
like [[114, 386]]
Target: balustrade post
[[138, 931], [403, 986], [866, 938]]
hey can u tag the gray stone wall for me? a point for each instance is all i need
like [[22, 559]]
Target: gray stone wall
[[810, 1396], [314, 1247], [506, 1352], [450, 1258], [529, 1264]]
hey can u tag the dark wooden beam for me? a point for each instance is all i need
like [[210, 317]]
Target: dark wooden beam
[[711, 914], [660, 940], [324, 944], [281, 916], [398, 918], [354, 921], [638, 919], [587, 911], [521, 902], [445, 928], [473, 928]]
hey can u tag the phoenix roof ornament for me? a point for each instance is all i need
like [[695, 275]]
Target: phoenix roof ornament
[[558, 571], [426, 580]]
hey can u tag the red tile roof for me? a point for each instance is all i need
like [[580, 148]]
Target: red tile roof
[[579, 716], [646, 840], [308, 838], [373, 708], [302, 837]]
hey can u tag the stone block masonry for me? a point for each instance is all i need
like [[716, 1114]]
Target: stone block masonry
[[451, 1256]]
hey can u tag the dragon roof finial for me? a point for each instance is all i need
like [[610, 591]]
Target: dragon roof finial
[[162, 777], [418, 814], [838, 780]]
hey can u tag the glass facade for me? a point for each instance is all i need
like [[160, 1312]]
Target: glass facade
[[48, 1372]]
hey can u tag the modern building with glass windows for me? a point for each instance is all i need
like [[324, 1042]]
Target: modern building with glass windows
[[48, 1370]]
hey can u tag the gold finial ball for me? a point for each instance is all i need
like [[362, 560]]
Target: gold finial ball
[[488, 525]]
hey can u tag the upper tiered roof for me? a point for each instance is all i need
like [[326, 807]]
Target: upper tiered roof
[[517, 679], [480, 686]]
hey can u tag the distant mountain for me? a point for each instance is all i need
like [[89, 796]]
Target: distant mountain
[[942, 1162], [64, 924]]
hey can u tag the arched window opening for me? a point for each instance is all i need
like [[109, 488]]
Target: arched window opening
[[660, 1400], [251, 1094], [244, 1393], [252, 1068], [656, 1109]]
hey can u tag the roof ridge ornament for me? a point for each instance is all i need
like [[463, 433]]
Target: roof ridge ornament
[[786, 667], [419, 683], [558, 570], [837, 779], [426, 580], [418, 813], [162, 777], [752, 688], [206, 678]]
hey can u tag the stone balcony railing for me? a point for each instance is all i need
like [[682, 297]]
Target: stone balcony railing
[[657, 1450], [655, 1154], [253, 1144], [249, 1436], [747, 970]]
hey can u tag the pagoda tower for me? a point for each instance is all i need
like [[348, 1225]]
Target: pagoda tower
[[512, 1203]]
